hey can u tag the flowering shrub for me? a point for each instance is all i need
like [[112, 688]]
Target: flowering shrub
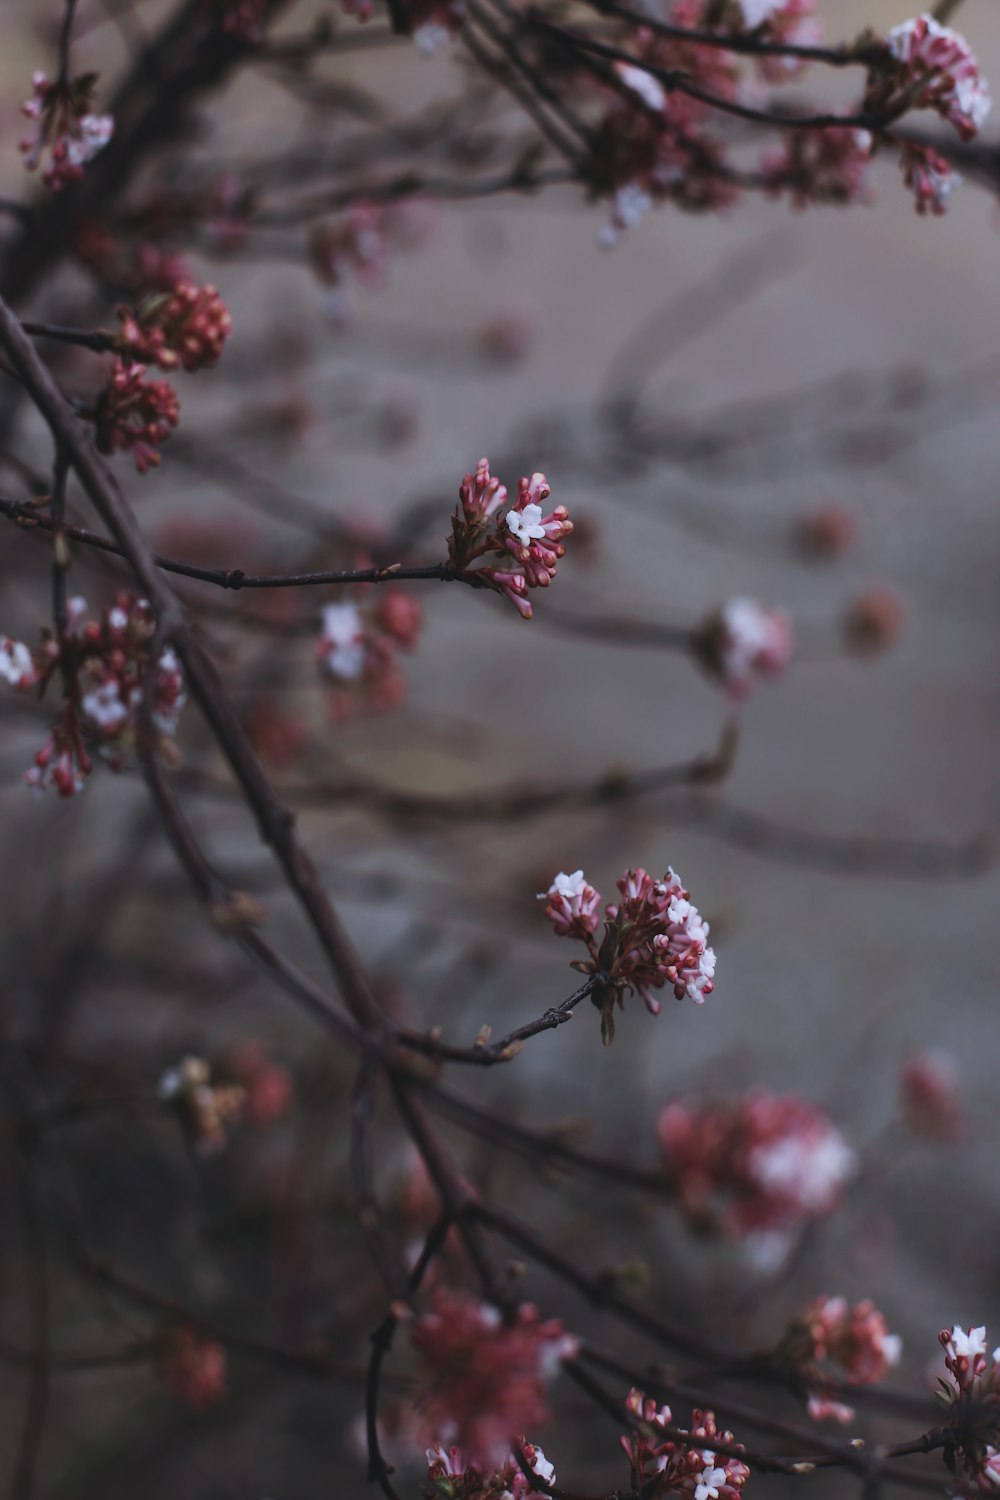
[[381, 1246]]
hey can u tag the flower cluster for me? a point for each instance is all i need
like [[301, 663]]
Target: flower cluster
[[66, 128], [972, 1395], [654, 936], [821, 166], [526, 542], [929, 1090], [104, 666], [656, 144], [686, 1462], [933, 67], [206, 1108], [358, 649], [135, 415], [193, 1368], [761, 1167], [828, 1338], [451, 1477], [483, 1378], [744, 641], [187, 326], [357, 248], [928, 176]]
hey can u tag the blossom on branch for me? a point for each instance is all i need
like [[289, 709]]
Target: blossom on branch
[[745, 640], [135, 415], [935, 68], [526, 542], [186, 326], [830, 1340], [928, 176], [451, 1477], [761, 1167], [972, 1397], [821, 166], [358, 649], [653, 937], [105, 670], [66, 129], [686, 1463], [483, 1378]]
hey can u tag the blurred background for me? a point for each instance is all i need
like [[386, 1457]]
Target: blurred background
[[694, 395]]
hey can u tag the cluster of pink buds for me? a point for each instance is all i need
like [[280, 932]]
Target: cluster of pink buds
[[187, 326], [358, 649], [105, 669], [972, 1395], [829, 1339], [929, 1089], [483, 1377], [654, 936], [207, 1109], [65, 127], [761, 1167], [526, 543], [930, 66], [356, 247], [451, 1477], [668, 1460], [135, 415], [744, 641], [928, 176], [973, 1372], [193, 1368], [821, 166]]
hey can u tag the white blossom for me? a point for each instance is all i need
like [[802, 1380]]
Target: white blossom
[[526, 524]]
